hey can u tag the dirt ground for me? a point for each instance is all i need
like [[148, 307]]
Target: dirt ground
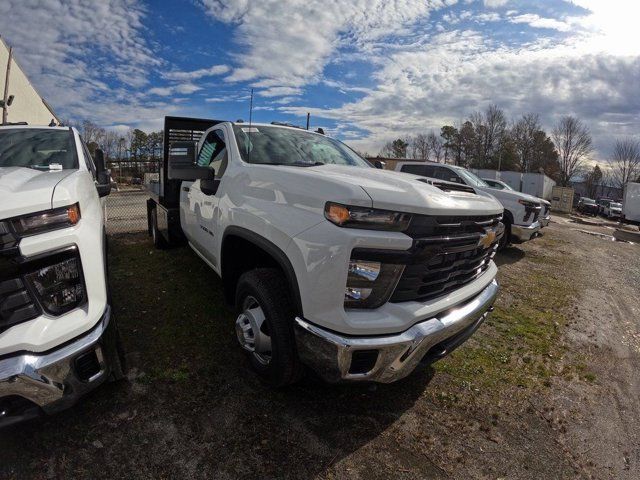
[[547, 388]]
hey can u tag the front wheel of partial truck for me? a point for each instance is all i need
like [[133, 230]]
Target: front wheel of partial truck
[[264, 326]]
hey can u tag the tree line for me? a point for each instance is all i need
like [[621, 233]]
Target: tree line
[[488, 140]]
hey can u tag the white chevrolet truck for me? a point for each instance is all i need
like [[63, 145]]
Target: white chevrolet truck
[[521, 211], [57, 337], [356, 272]]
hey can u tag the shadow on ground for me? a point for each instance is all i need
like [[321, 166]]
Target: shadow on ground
[[192, 407], [509, 255]]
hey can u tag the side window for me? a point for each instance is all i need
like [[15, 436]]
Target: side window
[[214, 152], [88, 159], [447, 175], [415, 169]]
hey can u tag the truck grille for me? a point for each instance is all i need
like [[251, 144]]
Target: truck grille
[[16, 303], [448, 253]]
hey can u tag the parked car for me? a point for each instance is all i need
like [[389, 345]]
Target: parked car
[[603, 205], [58, 339], [545, 213], [613, 210], [521, 211], [356, 272], [588, 206]]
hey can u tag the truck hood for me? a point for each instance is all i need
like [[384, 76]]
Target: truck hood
[[510, 195], [25, 190], [404, 192]]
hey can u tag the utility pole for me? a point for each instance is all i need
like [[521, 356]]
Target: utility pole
[[308, 115], [5, 98]]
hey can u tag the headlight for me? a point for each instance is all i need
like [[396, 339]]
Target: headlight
[[370, 284], [47, 220], [366, 218], [59, 287], [528, 204]]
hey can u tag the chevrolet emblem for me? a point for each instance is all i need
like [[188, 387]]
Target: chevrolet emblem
[[487, 238]]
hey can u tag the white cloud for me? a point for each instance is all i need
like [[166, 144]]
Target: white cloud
[[536, 21], [197, 74], [495, 3], [69, 48], [287, 44], [457, 73]]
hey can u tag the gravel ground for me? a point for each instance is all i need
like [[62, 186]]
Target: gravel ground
[[547, 388]]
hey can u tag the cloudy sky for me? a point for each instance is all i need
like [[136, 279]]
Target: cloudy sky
[[367, 70]]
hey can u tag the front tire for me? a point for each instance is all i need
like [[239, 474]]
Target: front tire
[[506, 236], [264, 326]]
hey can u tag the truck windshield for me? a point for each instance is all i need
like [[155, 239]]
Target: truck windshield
[[287, 146], [471, 179], [42, 149]]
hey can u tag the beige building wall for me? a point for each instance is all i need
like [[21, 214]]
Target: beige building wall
[[28, 106]]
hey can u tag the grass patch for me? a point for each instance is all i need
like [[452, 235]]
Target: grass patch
[[520, 343]]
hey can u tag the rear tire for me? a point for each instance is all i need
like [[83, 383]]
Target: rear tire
[[158, 240], [263, 293]]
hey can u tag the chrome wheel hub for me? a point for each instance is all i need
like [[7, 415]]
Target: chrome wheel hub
[[251, 331]]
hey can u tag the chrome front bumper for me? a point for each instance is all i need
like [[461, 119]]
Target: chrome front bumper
[[391, 357], [522, 233], [36, 383]]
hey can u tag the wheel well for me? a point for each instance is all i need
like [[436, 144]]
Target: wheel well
[[508, 216], [240, 254]]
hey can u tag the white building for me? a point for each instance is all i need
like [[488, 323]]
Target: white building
[[27, 105]]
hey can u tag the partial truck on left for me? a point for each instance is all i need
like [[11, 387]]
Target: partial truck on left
[[58, 339]]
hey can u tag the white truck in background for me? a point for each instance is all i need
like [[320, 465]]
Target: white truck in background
[[58, 339], [631, 203], [521, 211], [356, 272]]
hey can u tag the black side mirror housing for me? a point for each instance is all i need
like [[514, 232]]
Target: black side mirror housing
[[182, 163], [379, 164], [103, 182]]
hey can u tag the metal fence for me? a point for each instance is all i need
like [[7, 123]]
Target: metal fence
[[126, 205]]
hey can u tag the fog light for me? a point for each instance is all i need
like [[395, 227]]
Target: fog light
[[370, 284], [59, 287]]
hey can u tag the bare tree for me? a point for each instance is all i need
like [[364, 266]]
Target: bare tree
[[625, 162], [420, 147], [436, 148], [523, 134], [573, 142]]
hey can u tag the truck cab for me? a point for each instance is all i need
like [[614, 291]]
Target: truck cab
[[58, 339], [521, 211], [332, 264]]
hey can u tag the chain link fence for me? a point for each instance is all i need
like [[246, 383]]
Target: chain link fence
[[131, 186]]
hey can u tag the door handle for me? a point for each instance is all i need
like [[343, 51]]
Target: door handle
[[185, 189]]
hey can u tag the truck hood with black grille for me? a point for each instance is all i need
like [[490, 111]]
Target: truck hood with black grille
[[404, 192], [25, 190]]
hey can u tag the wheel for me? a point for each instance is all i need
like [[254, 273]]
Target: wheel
[[158, 240], [264, 326], [506, 236]]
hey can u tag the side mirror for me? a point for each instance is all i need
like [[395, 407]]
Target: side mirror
[[379, 164], [182, 163], [103, 182], [209, 186]]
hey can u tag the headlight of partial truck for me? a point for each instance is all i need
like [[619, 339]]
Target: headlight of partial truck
[[47, 220], [370, 284], [367, 218], [59, 287]]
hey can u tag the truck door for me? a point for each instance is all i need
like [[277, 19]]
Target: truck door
[[213, 153]]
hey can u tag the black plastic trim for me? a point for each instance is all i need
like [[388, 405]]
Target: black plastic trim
[[275, 252]]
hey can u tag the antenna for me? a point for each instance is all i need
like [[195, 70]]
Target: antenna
[[250, 119]]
